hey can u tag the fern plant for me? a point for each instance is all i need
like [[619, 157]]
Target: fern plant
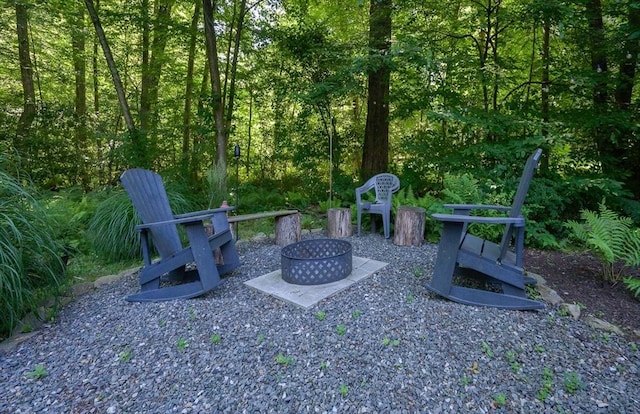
[[633, 284], [610, 237]]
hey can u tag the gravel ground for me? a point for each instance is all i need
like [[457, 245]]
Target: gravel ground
[[385, 345]]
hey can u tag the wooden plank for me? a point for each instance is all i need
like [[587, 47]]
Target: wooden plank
[[256, 216]]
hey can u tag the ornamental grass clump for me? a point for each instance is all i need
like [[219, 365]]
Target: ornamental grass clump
[[30, 256], [611, 238]]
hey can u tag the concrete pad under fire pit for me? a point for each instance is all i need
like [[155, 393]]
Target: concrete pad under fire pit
[[305, 296]]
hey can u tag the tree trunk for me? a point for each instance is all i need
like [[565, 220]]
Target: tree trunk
[[208, 7], [151, 77], [26, 73], [544, 93], [117, 82], [234, 67], [186, 119], [145, 105], [80, 115], [623, 95], [597, 45], [375, 153], [94, 64]]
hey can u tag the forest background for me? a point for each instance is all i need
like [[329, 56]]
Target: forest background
[[315, 97]]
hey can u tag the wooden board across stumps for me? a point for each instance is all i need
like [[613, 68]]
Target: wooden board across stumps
[[339, 222], [409, 228]]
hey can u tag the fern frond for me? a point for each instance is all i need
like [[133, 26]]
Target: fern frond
[[633, 284]]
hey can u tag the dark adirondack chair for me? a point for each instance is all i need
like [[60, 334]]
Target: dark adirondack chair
[[160, 231], [385, 185], [466, 255]]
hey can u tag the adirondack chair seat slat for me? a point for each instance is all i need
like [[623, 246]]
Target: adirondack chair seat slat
[[159, 231], [465, 254]]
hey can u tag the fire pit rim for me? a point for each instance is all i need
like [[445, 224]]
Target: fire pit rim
[[308, 269]]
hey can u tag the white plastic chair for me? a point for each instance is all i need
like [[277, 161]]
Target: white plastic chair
[[385, 185]]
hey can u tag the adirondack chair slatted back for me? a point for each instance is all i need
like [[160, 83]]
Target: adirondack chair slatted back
[[149, 197], [385, 186], [519, 197]]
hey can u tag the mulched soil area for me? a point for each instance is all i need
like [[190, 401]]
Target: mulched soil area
[[576, 278]]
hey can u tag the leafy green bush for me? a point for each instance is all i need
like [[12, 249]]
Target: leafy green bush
[[30, 257], [610, 237]]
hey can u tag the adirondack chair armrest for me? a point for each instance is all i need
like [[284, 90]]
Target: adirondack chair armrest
[[466, 208], [183, 220], [205, 212], [461, 218]]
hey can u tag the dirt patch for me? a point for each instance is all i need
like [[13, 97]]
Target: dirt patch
[[576, 278]]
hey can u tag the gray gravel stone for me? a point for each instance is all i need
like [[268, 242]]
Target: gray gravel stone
[[404, 351]]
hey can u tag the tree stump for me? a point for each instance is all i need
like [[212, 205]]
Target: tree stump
[[288, 229], [409, 228], [339, 222]]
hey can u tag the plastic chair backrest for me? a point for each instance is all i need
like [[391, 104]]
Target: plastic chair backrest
[[385, 185]]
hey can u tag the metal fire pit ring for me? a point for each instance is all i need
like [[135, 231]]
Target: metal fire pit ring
[[316, 262]]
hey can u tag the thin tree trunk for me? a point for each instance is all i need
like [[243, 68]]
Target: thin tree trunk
[[544, 93], [609, 151], [208, 7], [623, 96], [26, 73], [117, 82], [186, 119], [151, 79], [79, 67], [375, 153], [234, 67], [145, 101], [96, 73]]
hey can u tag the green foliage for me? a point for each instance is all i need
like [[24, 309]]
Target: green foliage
[[111, 230], [261, 197], [633, 284], [406, 197], [71, 210], [217, 185], [30, 256], [610, 237], [38, 372], [461, 189]]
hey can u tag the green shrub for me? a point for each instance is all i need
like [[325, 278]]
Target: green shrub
[[30, 257], [610, 237]]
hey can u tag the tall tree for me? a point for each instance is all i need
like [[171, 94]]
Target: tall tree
[[188, 99], [223, 98], [80, 114], [152, 63], [208, 8], [137, 141], [375, 153], [26, 73]]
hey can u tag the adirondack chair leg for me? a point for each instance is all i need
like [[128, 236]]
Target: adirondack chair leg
[[229, 255], [445, 267], [512, 297]]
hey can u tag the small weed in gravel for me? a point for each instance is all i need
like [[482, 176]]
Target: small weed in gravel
[[39, 372]]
